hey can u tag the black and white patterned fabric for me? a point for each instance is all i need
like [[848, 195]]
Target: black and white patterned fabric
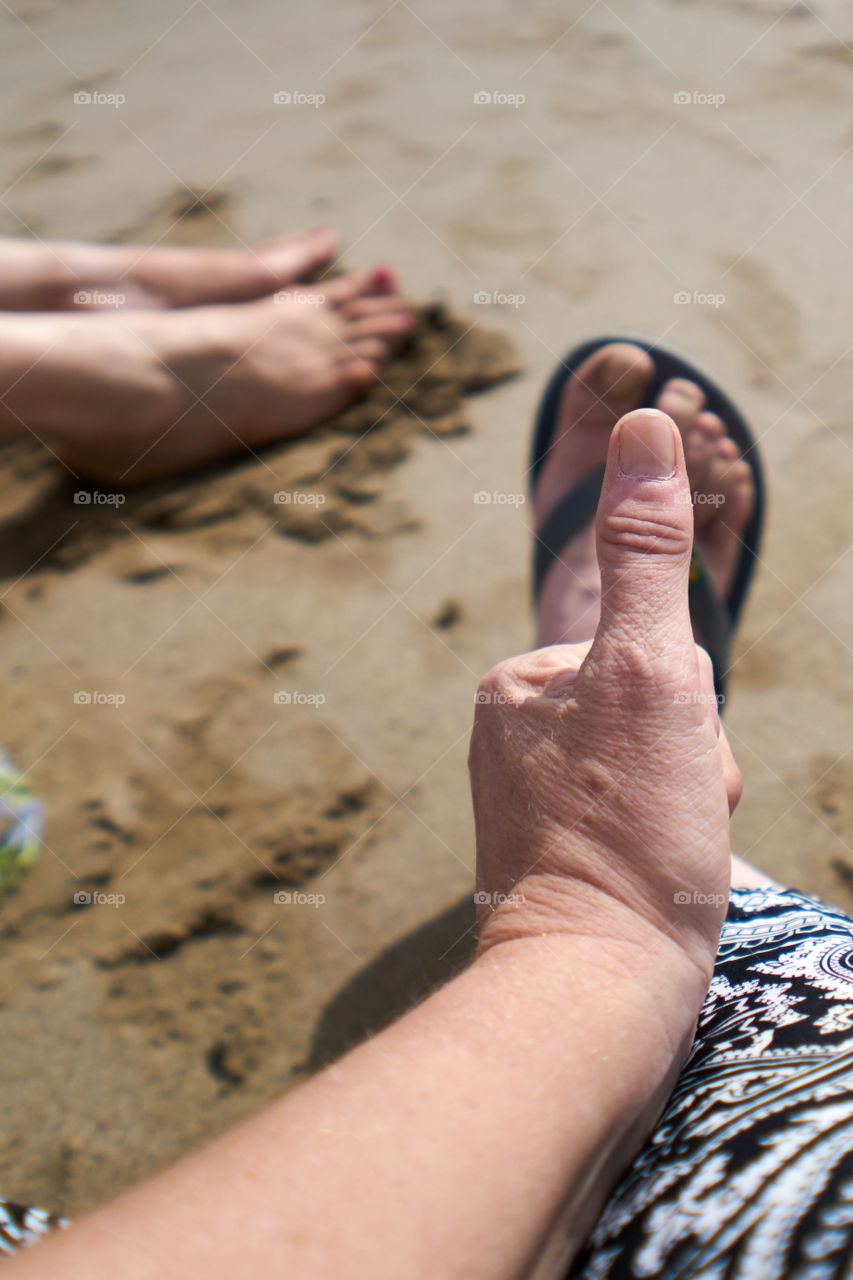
[[749, 1172], [20, 1226]]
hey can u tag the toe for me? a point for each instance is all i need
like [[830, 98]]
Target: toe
[[608, 385], [376, 282], [682, 400], [386, 324], [178, 277], [360, 308], [727, 457], [742, 494], [296, 257], [736, 484], [700, 450], [711, 425], [732, 489], [373, 351], [359, 375]]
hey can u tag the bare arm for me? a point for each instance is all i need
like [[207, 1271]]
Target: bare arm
[[478, 1136], [449, 1145]]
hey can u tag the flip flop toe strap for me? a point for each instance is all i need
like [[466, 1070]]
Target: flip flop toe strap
[[711, 623], [572, 513]]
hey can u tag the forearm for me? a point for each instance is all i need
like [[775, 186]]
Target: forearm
[[484, 1127]]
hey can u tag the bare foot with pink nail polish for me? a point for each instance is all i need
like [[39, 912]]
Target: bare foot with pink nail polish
[[126, 395]]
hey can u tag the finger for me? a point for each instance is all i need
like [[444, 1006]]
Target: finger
[[644, 531], [731, 773], [539, 671], [708, 689]]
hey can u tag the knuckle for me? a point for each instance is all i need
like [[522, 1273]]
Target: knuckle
[[498, 682], [662, 533], [634, 664], [496, 677], [596, 778], [633, 673]]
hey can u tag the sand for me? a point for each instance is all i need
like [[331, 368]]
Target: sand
[[136, 1029]]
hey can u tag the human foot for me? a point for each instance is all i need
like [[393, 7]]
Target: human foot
[[611, 382], [126, 397], [722, 487], [65, 275]]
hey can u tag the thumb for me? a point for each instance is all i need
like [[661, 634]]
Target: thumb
[[644, 531]]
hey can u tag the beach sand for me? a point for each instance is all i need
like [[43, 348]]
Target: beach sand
[[605, 186]]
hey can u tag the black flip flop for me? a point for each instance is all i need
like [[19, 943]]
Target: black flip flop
[[714, 619]]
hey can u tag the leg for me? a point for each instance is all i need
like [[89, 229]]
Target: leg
[[123, 397], [65, 275]]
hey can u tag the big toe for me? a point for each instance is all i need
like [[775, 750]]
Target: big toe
[[296, 257], [609, 384], [375, 282]]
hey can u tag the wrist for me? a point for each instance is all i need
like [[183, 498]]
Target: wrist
[[674, 960], [604, 1031]]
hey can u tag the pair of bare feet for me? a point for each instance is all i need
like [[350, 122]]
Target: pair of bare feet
[[131, 363], [612, 382]]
